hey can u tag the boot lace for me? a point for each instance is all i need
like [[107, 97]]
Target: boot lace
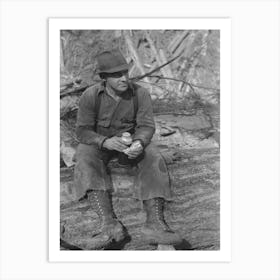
[[93, 196], [159, 215]]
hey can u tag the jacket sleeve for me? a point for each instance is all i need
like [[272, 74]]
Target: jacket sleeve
[[145, 125], [86, 120]]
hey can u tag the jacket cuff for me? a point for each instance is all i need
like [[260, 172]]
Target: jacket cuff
[[101, 141]]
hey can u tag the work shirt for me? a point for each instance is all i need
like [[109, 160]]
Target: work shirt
[[114, 117]]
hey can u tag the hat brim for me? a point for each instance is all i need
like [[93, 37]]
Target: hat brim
[[116, 69]]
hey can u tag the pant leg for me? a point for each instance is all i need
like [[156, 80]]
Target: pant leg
[[152, 178], [91, 170]]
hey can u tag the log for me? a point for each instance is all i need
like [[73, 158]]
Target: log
[[66, 85], [75, 87], [74, 91]]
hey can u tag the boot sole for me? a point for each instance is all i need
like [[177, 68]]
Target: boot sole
[[156, 237], [115, 233]]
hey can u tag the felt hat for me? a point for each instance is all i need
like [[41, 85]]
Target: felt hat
[[111, 61]]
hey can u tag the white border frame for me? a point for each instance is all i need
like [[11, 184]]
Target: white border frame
[[55, 254], [255, 189]]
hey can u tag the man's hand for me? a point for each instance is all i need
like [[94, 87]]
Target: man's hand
[[114, 143], [134, 150]]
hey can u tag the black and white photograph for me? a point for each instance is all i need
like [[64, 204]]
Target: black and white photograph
[[139, 139]]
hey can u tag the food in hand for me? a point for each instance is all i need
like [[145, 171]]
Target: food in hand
[[136, 146]]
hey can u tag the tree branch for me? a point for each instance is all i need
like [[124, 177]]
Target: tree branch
[[181, 81], [156, 69]]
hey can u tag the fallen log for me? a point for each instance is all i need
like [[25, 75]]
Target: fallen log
[[67, 85], [74, 91]]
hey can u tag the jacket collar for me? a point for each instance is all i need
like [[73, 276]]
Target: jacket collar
[[102, 87]]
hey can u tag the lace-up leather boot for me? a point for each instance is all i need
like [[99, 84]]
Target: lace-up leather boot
[[156, 230], [110, 228]]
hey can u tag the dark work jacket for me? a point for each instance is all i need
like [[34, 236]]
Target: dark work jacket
[[114, 117]]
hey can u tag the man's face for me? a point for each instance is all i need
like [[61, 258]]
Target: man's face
[[118, 81]]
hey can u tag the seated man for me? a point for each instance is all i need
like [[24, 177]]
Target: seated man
[[106, 110]]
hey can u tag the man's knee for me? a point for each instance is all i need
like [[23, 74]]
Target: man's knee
[[154, 159], [152, 151]]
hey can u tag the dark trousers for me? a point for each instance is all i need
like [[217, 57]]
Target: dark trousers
[[151, 175]]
